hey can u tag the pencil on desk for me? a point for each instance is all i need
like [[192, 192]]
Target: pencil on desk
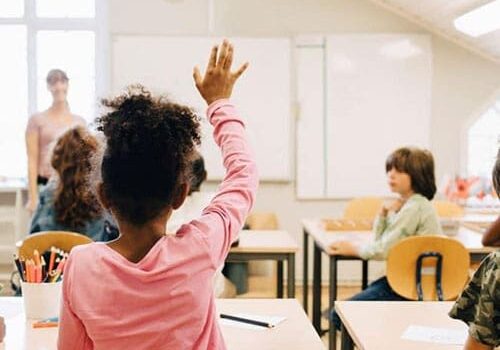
[[247, 320], [45, 324]]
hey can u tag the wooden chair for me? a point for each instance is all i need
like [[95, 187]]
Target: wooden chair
[[448, 210], [428, 268], [363, 208], [44, 240], [262, 221]]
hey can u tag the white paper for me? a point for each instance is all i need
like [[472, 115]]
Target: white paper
[[435, 335], [273, 320]]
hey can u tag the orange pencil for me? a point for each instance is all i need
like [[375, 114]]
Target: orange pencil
[[45, 324], [36, 257], [60, 267], [29, 271], [52, 257]]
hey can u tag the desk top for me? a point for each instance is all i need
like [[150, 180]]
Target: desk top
[[469, 238], [296, 332], [263, 241], [478, 218], [392, 319]]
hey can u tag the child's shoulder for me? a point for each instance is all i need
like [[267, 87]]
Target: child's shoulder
[[491, 264], [85, 251]]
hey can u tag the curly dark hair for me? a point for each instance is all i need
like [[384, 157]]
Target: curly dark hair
[[419, 165], [198, 174], [149, 145], [75, 203]]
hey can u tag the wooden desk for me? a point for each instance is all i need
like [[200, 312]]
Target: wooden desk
[[322, 241], [479, 218], [388, 320], [295, 333], [268, 245]]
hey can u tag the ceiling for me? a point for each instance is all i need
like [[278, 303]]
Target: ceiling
[[437, 16]]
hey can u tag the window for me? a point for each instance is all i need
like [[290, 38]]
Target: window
[[38, 36], [483, 142]]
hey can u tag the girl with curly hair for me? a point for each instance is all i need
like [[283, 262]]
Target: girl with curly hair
[[147, 289], [68, 202]]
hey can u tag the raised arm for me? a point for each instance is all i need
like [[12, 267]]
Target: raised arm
[[225, 215]]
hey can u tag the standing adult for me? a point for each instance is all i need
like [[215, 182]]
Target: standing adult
[[43, 130]]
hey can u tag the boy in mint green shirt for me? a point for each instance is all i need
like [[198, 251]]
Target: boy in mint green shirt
[[410, 173]]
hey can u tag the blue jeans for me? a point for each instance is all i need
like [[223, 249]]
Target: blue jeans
[[379, 290]]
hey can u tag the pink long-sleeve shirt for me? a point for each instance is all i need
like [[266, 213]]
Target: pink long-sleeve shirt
[[165, 301]]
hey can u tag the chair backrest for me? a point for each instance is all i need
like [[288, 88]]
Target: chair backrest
[[44, 240], [446, 209], [363, 208], [402, 267], [262, 221]]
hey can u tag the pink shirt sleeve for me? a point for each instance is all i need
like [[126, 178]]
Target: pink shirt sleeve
[[72, 333], [224, 217]]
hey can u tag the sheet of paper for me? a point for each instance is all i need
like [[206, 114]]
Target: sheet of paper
[[435, 335], [274, 320]]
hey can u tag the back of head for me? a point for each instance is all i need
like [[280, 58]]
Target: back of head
[[198, 174], [496, 174], [419, 164], [149, 143], [75, 203]]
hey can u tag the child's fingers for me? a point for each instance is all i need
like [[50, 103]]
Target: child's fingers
[[229, 58], [222, 54], [240, 71], [197, 76], [213, 57]]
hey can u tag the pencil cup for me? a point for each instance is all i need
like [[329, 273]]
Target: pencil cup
[[41, 300]]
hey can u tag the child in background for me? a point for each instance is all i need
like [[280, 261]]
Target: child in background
[[68, 202], [196, 200], [479, 303], [410, 174], [191, 209], [149, 290]]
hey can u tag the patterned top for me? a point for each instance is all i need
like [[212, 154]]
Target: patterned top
[[416, 217], [479, 303]]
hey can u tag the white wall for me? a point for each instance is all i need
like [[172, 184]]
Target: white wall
[[462, 82]]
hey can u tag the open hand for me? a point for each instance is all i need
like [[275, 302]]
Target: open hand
[[346, 248], [218, 81], [394, 206]]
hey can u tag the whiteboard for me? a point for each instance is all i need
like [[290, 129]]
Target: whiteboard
[[377, 97], [262, 95]]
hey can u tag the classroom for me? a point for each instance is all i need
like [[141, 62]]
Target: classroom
[[228, 174]]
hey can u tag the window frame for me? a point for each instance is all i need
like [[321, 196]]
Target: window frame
[[464, 137], [98, 24]]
